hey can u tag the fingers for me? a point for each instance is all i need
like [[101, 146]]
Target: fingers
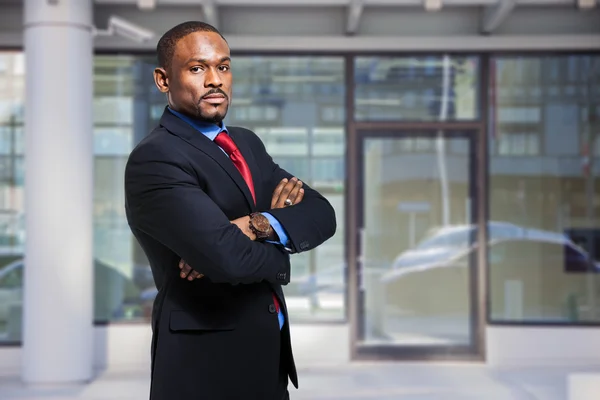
[[293, 196], [277, 192], [195, 275], [285, 192], [299, 197], [188, 272], [289, 191], [185, 269]]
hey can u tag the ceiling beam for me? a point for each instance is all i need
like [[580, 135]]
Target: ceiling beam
[[345, 3], [355, 10], [327, 44], [210, 11], [493, 16]]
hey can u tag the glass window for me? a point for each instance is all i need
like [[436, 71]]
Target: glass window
[[12, 279], [296, 106], [427, 88], [12, 223], [127, 106], [417, 224], [274, 97], [124, 111], [544, 182]]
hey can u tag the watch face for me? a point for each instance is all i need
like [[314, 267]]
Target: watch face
[[261, 223]]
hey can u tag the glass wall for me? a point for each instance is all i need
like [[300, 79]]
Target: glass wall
[[124, 96], [127, 106], [426, 88], [544, 249], [274, 96], [296, 106], [12, 224], [544, 193], [417, 239]]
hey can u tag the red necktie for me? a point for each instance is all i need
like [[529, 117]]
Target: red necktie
[[224, 141]]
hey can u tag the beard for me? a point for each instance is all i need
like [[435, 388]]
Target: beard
[[213, 116], [211, 113]]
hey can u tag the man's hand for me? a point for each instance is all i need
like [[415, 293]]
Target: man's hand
[[244, 224], [287, 190], [188, 272]]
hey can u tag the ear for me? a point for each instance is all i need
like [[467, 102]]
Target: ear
[[161, 80]]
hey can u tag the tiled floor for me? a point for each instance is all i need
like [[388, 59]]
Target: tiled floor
[[326, 374], [350, 382]]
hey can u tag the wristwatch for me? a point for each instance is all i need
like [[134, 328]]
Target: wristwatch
[[260, 226]]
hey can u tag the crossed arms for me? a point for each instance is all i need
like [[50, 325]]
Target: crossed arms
[[164, 201], [286, 190]]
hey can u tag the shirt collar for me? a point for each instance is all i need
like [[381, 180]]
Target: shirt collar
[[207, 129]]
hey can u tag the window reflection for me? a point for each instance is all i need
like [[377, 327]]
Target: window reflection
[[273, 96], [544, 179], [126, 107], [12, 222], [428, 88], [417, 227], [296, 106]]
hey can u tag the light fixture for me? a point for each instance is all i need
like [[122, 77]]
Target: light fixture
[[146, 4], [120, 27], [432, 5], [586, 4]]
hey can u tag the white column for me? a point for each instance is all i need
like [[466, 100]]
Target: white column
[[57, 323]]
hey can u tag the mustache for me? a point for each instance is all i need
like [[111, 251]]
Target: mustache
[[215, 91]]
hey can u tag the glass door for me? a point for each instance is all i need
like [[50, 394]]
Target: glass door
[[417, 244]]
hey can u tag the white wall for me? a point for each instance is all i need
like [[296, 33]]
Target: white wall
[[120, 347], [549, 346], [126, 348]]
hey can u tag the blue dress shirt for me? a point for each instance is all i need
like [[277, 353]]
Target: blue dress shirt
[[211, 131]]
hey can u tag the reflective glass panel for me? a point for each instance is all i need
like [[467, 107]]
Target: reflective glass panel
[[417, 242], [544, 249], [12, 219], [296, 106], [417, 88]]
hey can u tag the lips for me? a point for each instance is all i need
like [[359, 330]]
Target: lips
[[214, 99]]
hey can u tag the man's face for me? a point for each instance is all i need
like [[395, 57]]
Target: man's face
[[198, 82]]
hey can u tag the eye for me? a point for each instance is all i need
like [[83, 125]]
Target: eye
[[224, 68], [196, 69]]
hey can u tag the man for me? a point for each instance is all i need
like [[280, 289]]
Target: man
[[217, 219]]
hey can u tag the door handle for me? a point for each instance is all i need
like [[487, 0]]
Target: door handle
[[361, 258]]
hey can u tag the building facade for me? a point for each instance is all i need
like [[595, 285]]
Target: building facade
[[443, 138]]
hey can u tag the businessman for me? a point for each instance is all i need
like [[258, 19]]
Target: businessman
[[218, 220]]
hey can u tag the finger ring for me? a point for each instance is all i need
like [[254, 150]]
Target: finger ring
[[288, 202]]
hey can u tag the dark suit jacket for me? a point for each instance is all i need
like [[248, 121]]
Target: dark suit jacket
[[217, 337]]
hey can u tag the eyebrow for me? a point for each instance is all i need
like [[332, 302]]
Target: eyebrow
[[205, 61]]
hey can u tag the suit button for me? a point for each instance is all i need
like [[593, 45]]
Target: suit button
[[272, 308], [281, 276]]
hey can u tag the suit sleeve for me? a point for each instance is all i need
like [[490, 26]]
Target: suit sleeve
[[165, 201], [307, 224]]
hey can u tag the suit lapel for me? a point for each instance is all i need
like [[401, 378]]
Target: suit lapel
[[188, 133]]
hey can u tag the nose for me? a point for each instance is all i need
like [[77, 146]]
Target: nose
[[213, 79]]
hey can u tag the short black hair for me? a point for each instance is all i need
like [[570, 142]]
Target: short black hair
[[166, 45]]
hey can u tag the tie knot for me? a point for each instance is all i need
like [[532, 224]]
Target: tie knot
[[224, 141]]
